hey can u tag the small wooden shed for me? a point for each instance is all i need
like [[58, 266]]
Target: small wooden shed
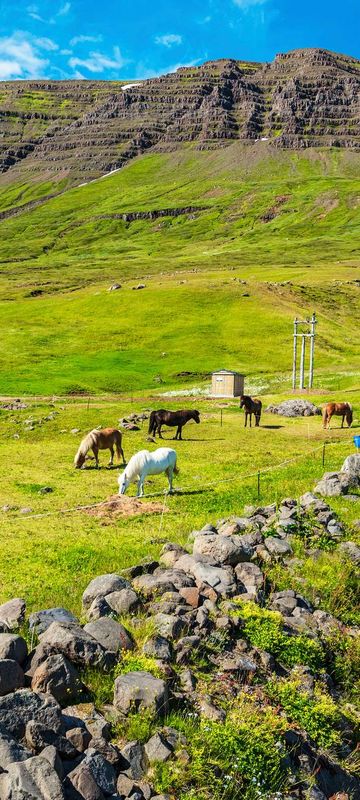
[[227, 383]]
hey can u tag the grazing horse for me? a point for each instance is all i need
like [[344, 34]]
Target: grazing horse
[[171, 418], [145, 463], [343, 410], [252, 406], [106, 439]]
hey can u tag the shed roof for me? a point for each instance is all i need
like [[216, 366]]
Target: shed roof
[[227, 372]]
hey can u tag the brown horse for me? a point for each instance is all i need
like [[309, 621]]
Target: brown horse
[[171, 418], [106, 439], [252, 406], [343, 410]]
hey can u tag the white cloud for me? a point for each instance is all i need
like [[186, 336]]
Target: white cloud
[[64, 10], [98, 62], [46, 44], [169, 39], [33, 12], [19, 57], [145, 73], [65, 52], [245, 5], [81, 38]]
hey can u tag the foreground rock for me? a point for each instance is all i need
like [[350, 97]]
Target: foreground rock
[[140, 690], [30, 779], [74, 643]]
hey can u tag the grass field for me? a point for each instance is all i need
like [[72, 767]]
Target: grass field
[[49, 560]]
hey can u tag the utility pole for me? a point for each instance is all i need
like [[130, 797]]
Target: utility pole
[[309, 334]]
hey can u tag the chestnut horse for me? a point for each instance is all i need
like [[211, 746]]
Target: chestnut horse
[[343, 410], [106, 439], [252, 406]]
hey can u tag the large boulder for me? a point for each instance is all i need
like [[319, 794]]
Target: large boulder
[[351, 550], [86, 716], [17, 708], [140, 690], [334, 484], [80, 784], [123, 601], [102, 771], [103, 585], [222, 579], [135, 759], [56, 676], [30, 779], [11, 750], [74, 643], [110, 634], [12, 613], [13, 646], [11, 676], [41, 620], [150, 585], [351, 466], [278, 547], [222, 550]]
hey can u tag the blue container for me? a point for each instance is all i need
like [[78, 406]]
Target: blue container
[[357, 441]]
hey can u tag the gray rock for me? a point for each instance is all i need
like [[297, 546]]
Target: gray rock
[[85, 714], [157, 749], [13, 646], [278, 547], [74, 643], [58, 677], [351, 550], [334, 484], [83, 783], [176, 576], [222, 550], [294, 408], [126, 786], [11, 750], [187, 681], [17, 708], [351, 466], [12, 613], [109, 751], [222, 579], [250, 576], [123, 602], [140, 690], [169, 625], [99, 608], [11, 676], [110, 634], [150, 585], [103, 585], [135, 757], [33, 779], [185, 647], [211, 712], [80, 738], [102, 772], [51, 755], [38, 736], [158, 647]]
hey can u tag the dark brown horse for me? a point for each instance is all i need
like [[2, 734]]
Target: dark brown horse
[[106, 439], [252, 406], [343, 410], [171, 418]]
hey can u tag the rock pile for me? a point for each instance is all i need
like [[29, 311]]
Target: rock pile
[[334, 484], [295, 408], [133, 421], [56, 745]]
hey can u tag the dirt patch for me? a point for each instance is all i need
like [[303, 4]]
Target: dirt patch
[[120, 506]]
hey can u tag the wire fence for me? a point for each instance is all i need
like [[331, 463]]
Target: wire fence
[[204, 486]]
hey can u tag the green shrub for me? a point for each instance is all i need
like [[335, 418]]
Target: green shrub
[[264, 629], [344, 659], [316, 714], [240, 759]]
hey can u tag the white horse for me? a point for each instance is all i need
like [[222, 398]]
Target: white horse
[[145, 463]]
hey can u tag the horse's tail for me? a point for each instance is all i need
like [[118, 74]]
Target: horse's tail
[[119, 450], [176, 468], [84, 447], [152, 423]]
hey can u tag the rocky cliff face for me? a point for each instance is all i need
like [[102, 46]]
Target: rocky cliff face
[[78, 130]]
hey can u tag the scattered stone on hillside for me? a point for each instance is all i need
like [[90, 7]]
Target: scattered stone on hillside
[[46, 490], [158, 647], [85, 714], [41, 620], [295, 408], [136, 762], [114, 287], [11, 750], [169, 625], [140, 690], [222, 549], [149, 585], [12, 613], [11, 676], [74, 643], [80, 784], [33, 778], [103, 585], [80, 738], [250, 575], [351, 550], [13, 646], [222, 579], [139, 286], [38, 736], [278, 547], [209, 711], [58, 677], [110, 634], [157, 749], [351, 466], [102, 771], [99, 608]]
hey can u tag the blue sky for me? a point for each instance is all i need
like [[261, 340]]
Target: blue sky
[[120, 39]]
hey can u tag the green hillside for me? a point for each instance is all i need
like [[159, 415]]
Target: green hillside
[[286, 223]]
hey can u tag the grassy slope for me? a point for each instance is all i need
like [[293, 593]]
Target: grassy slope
[[50, 559], [93, 340]]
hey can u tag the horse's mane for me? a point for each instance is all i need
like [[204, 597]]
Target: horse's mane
[[135, 464], [86, 444]]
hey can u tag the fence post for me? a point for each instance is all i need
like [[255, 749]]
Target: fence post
[[88, 403], [221, 412], [323, 454], [258, 485]]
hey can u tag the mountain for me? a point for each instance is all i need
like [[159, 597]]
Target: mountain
[[68, 131]]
